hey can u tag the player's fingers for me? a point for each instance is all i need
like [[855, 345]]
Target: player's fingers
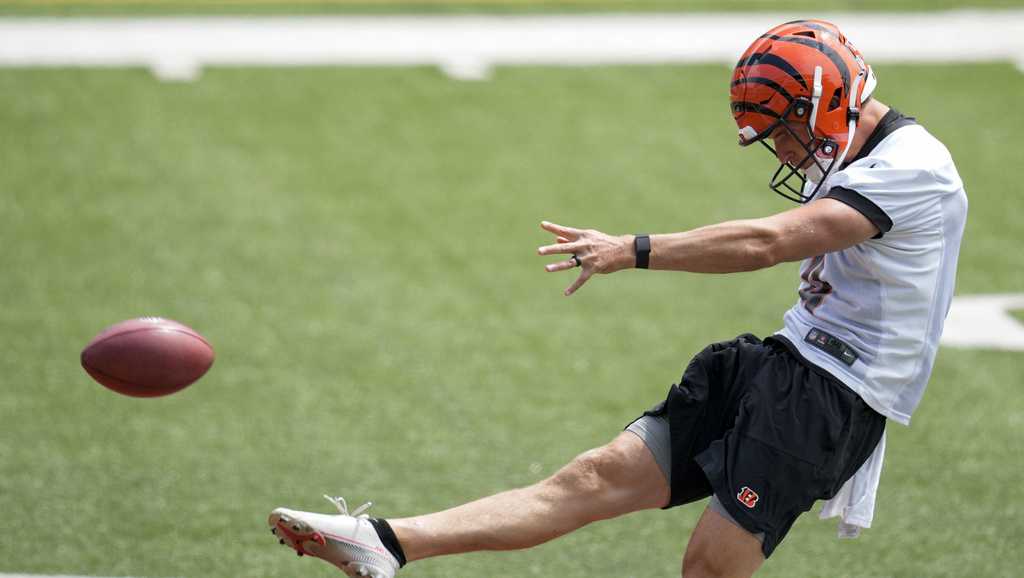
[[560, 266], [565, 248], [584, 275], [562, 239], [567, 232]]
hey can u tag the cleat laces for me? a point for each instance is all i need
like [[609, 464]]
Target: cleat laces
[[342, 507]]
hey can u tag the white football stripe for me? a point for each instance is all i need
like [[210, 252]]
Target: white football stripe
[[985, 322], [51, 576], [467, 46]]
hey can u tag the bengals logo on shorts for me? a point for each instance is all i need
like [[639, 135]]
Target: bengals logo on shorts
[[747, 497]]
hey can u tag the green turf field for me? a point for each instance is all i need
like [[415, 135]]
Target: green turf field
[[359, 246]]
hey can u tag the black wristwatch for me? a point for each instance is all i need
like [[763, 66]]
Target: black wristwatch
[[642, 246]]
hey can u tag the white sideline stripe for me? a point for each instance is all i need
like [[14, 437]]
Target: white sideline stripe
[[49, 576], [984, 321], [467, 46]]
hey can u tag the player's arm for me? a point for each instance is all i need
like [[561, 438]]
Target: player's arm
[[819, 227]]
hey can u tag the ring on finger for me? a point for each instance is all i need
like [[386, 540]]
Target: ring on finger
[[577, 261]]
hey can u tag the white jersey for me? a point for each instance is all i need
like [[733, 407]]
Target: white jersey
[[872, 315]]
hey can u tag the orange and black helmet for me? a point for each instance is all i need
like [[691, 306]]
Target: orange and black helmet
[[801, 76]]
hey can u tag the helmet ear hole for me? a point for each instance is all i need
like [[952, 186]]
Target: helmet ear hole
[[836, 99], [801, 108]]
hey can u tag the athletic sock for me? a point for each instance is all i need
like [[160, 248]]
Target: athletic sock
[[389, 539]]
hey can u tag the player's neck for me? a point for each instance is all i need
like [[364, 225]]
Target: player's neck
[[870, 116]]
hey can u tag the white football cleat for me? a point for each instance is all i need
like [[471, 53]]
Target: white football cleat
[[349, 541]]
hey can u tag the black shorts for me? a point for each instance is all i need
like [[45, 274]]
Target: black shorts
[[765, 431]]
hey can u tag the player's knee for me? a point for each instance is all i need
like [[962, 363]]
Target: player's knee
[[698, 565], [593, 471], [695, 567]]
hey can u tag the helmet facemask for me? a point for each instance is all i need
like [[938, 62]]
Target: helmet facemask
[[819, 158]]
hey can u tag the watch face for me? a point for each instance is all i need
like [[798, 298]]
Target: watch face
[[642, 247]]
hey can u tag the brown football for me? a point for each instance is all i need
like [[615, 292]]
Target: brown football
[[147, 357]]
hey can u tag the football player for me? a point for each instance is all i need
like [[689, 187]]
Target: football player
[[764, 428]]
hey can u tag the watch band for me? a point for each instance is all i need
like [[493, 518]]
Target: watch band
[[642, 246]]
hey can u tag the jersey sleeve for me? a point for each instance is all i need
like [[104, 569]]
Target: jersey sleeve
[[893, 199]]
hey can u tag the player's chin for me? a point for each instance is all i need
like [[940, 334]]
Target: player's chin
[[806, 163]]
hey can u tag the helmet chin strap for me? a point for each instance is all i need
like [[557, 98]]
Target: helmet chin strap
[[815, 99], [853, 114], [813, 172]]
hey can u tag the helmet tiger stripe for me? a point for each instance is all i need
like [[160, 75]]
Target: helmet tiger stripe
[[801, 73]]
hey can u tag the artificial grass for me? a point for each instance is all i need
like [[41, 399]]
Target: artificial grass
[[359, 246]]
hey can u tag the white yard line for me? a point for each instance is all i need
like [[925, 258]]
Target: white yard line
[[984, 321], [48, 576], [468, 46]]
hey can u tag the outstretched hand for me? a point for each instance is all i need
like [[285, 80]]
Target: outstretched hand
[[590, 250]]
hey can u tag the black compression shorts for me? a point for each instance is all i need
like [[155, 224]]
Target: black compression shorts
[[765, 431]]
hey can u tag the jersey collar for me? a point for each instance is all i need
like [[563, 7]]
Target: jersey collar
[[892, 121]]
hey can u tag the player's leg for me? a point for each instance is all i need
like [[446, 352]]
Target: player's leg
[[631, 473], [719, 548], [798, 436], [620, 477], [609, 481]]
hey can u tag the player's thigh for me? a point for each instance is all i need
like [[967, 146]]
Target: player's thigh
[[639, 474], [621, 476], [718, 548]]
